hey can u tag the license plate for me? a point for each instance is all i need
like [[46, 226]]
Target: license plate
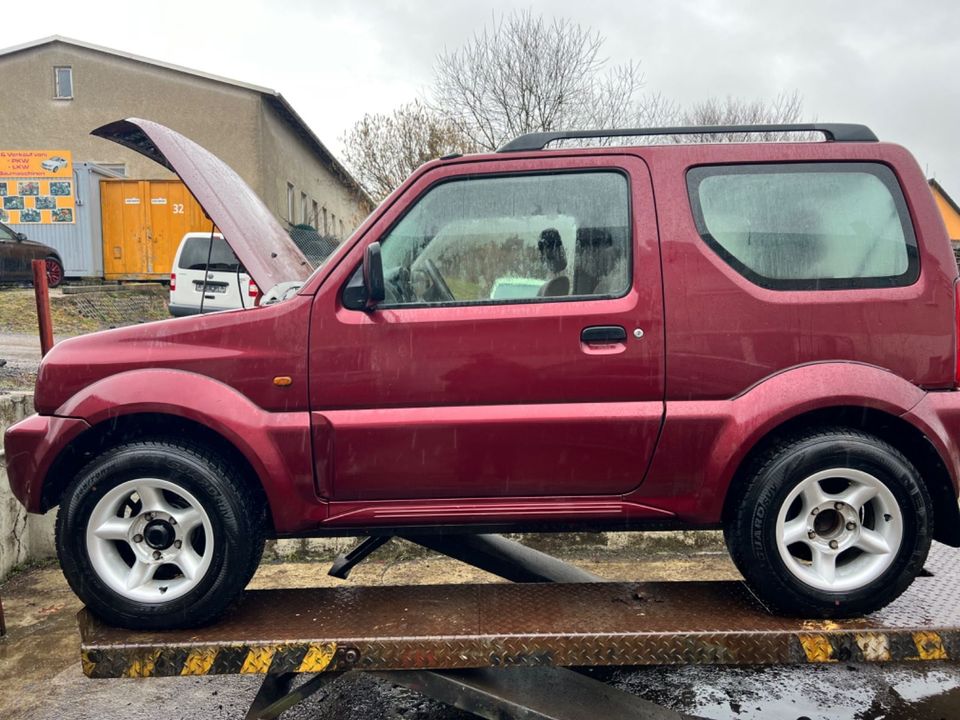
[[215, 288]]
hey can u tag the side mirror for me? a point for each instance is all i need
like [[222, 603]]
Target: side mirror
[[373, 275], [21, 237]]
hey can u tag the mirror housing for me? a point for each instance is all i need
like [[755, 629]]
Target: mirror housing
[[373, 282], [20, 237]]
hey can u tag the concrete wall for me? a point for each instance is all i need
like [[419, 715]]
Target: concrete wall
[[23, 537], [108, 88], [286, 159]]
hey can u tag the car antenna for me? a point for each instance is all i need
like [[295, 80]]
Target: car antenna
[[206, 269]]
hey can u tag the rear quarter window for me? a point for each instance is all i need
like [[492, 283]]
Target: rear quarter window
[[196, 250], [807, 226]]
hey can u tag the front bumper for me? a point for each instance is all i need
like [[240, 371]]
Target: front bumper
[[31, 446]]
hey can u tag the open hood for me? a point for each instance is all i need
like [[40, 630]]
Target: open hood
[[261, 244]]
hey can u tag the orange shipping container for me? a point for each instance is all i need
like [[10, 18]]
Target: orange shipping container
[[143, 223]]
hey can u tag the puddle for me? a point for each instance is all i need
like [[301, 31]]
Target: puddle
[[835, 692]]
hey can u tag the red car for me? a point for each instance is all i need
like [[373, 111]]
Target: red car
[[759, 337]]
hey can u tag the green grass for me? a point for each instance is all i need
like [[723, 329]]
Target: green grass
[[18, 314]]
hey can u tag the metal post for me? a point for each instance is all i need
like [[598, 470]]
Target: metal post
[[42, 293]]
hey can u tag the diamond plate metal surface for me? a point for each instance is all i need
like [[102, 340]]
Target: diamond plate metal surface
[[496, 625]]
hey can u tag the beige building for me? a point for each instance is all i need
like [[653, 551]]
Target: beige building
[[57, 90]]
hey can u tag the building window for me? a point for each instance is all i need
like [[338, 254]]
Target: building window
[[325, 231], [303, 208], [290, 203], [315, 216], [333, 224], [63, 83], [341, 229], [118, 168]]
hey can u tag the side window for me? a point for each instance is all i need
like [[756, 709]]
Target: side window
[[807, 226], [512, 239]]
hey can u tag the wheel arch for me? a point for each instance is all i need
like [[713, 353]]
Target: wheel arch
[[275, 444], [896, 431], [126, 428]]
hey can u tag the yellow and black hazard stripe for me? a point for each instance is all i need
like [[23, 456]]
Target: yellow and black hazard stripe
[[112, 662], [814, 644], [875, 646]]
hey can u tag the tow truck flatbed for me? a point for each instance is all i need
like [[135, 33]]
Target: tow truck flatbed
[[504, 624], [504, 647]]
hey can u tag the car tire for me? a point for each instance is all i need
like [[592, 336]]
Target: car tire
[[54, 270], [833, 523], [159, 534]]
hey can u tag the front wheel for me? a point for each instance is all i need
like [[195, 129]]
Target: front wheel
[[158, 534], [832, 523]]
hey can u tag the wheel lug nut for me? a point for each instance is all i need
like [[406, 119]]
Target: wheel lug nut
[[811, 534], [834, 544], [177, 544], [815, 511], [173, 521], [138, 538], [157, 555], [851, 526], [838, 505]]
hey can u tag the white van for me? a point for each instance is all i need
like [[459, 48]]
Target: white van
[[227, 285]]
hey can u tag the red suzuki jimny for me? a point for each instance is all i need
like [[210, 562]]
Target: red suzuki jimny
[[759, 337]]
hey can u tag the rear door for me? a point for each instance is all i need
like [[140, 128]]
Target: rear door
[[520, 349], [222, 285]]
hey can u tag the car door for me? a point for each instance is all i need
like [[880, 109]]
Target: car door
[[10, 255], [520, 349], [27, 252]]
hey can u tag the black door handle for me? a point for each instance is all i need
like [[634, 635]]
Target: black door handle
[[603, 334]]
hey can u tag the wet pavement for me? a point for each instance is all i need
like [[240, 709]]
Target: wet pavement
[[40, 677]]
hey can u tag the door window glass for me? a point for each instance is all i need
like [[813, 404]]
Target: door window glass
[[512, 239]]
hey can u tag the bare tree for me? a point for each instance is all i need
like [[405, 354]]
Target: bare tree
[[783, 109], [383, 149], [526, 74]]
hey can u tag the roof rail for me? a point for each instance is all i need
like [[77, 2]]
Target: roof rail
[[838, 132]]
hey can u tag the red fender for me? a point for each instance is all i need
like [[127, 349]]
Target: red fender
[[704, 442], [276, 444]]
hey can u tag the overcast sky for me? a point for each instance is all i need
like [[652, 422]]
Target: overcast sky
[[891, 65]]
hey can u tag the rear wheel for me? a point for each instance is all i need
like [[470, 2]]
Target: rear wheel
[[159, 534], [54, 270], [832, 523]]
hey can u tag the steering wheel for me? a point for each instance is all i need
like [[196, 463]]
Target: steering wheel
[[443, 290]]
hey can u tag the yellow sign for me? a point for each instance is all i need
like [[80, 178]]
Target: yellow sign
[[35, 164], [36, 186]]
